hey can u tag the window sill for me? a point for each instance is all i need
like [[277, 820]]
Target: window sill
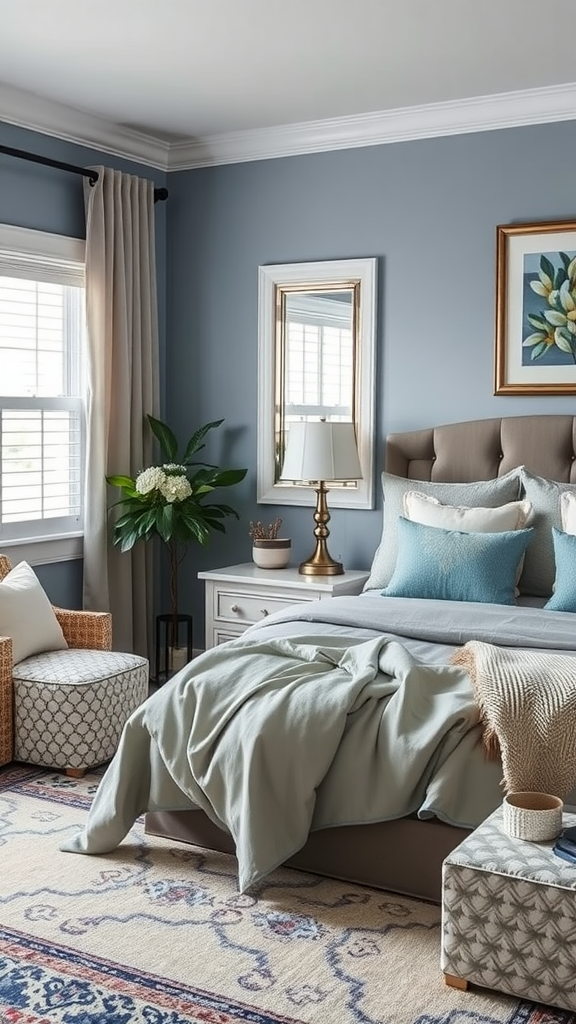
[[42, 550]]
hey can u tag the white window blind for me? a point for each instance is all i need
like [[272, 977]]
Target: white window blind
[[319, 371], [42, 341]]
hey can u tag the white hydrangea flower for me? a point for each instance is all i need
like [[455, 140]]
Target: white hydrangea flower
[[175, 488], [150, 479], [173, 469]]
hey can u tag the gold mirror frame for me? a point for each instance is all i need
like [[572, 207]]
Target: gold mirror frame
[[275, 284]]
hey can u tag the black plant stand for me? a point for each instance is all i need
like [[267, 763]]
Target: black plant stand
[[165, 639]]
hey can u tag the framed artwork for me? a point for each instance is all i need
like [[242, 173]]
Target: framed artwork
[[536, 309]]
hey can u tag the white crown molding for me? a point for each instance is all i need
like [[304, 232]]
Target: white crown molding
[[456, 117], [26, 110], [482, 113]]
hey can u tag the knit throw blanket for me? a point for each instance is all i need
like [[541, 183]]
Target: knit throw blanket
[[527, 703]]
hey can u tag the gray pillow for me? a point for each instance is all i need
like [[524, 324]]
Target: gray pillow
[[539, 564], [485, 493]]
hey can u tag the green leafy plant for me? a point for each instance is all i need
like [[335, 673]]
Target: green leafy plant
[[173, 501]]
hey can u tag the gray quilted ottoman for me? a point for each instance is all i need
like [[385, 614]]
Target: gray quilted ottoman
[[509, 916]]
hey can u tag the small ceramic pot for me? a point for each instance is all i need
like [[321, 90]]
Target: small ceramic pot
[[536, 817], [271, 554]]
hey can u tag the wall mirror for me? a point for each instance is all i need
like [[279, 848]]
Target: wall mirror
[[316, 358]]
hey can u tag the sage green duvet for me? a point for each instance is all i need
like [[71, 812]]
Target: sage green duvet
[[338, 723]]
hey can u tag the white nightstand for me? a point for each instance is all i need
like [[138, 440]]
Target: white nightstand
[[239, 595]]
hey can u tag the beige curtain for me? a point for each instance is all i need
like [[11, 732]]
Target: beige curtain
[[122, 388]]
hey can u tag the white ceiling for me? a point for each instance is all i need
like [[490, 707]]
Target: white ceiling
[[182, 71]]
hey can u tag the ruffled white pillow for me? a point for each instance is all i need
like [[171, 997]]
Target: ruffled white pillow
[[568, 511], [425, 509]]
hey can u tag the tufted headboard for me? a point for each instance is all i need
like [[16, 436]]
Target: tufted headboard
[[484, 449]]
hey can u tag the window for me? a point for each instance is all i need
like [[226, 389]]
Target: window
[[42, 344], [319, 357]]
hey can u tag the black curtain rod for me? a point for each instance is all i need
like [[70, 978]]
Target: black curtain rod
[[159, 193]]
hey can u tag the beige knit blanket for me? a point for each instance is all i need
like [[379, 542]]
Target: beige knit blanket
[[527, 702]]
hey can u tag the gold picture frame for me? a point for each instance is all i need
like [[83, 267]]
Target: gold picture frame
[[535, 309]]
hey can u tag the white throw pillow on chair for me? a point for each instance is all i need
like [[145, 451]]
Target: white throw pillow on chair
[[27, 616]]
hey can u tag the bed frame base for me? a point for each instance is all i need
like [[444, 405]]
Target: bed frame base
[[403, 856]]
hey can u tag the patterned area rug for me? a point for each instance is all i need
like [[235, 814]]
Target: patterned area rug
[[157, 933]]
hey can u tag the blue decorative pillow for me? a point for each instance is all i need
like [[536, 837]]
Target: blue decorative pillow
[[448, 565], [483, 493], [564, 597]]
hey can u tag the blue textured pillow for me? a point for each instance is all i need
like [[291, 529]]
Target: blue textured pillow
[[448, 565], [564, 597]]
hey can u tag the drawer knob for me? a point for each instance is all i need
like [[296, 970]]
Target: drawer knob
[[264, 612], [234, 608]]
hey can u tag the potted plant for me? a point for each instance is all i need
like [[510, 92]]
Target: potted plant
[[172, 501], [269, 551]]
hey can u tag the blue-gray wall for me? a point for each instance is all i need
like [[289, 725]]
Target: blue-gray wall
[[427, 209], [47, 199]]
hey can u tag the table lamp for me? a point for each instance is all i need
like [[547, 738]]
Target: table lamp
[[321, 451]]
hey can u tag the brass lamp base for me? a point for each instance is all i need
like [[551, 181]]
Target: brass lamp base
[[318, 567], [320, 563]]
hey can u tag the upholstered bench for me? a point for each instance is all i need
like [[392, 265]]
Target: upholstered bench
[[70, 706], [509, 916]]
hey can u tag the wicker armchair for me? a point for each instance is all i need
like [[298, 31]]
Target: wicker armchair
[[87, 630]]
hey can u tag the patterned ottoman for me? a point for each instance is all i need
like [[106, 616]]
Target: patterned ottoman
[[509, 916], [70, 706]]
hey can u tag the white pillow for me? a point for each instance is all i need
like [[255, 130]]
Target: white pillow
[[568, 511], [27, 616], [425, 509]]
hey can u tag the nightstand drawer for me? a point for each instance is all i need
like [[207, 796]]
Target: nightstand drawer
[[221, 636], [234, 606]]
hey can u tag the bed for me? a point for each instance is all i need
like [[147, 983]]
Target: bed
[[465, 466]]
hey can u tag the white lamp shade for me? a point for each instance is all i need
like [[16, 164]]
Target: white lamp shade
[[319, 450]]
